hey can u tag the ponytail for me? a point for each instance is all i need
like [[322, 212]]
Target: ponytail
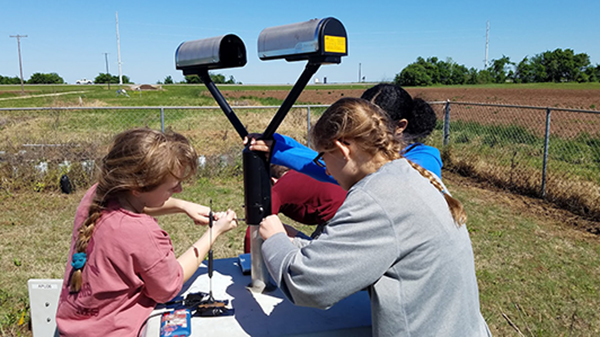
[[455, 206]]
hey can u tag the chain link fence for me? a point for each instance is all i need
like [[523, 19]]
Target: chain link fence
[[543, 152], [549, 153], [40, 145]]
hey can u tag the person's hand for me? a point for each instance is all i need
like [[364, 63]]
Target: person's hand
[[197, 212], [226, 222], [270, 226], [257, 144]]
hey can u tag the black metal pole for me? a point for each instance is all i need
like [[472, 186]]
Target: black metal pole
[[309, 70], [210, 85], [256, 167]]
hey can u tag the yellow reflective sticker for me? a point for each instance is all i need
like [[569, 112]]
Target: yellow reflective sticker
[[335, 44]]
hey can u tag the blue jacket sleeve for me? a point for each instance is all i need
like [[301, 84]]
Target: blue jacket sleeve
[[289, 153]]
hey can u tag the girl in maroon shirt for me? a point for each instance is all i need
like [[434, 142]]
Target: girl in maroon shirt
[[121, 263]]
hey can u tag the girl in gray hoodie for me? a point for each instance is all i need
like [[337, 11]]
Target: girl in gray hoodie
[[399, 233]]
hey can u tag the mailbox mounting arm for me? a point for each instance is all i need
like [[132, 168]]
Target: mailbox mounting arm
[[309, 71], [214, 91]]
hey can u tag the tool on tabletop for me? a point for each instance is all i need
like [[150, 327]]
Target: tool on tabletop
[[205, 304]]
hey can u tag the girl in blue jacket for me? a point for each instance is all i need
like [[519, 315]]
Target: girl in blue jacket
[[414, 120]]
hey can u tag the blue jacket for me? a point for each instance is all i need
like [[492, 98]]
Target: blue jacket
[[287, 152]]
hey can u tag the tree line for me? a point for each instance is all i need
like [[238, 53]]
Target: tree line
[[195, 79], [54, 78], [550, 66]]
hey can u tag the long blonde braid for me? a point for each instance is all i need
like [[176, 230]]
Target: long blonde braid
[[456, 208]]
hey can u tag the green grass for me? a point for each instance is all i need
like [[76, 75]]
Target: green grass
[[533, 270], [537, 271], [581, 153]]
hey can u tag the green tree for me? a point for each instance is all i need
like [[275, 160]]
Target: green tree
[[10, 80], [433, 71], [220, 79], [39, 78], [216, 78], [485, 77], [431, 68], [500, 69], [525, 72], [114, 79], [413, 75], [105, 78], [168, 80], [460, 74], [593, 73], [472, 76], [192, 79], [561, 66]]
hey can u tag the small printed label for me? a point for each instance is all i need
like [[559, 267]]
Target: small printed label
[[335, 44], [44, 286]]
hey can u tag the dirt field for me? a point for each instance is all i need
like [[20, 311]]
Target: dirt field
[[557, 98]]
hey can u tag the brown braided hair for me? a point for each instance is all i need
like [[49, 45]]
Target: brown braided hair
[[138, 159], [360, 120], [455, 206], [364, 122]]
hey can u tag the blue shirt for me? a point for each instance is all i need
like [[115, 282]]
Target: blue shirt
[[287, 152]]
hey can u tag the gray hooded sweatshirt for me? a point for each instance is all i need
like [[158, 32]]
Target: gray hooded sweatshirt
[[394, 235]]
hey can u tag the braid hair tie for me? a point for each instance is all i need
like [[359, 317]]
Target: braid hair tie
[[78, 260]]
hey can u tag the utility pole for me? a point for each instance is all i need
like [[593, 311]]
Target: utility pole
[[487, 40], [359, 73], [20, 63], [107, 72]]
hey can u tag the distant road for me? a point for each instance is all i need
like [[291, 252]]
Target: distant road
[[42, 95]]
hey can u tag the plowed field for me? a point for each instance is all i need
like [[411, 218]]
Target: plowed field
[[586, 99]]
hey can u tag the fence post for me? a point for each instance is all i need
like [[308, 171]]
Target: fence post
[[546, 143], [308, 126], [447, 123], [162, 119]]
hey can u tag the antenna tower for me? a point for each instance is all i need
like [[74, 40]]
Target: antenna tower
[[487, 42], [119, 51]]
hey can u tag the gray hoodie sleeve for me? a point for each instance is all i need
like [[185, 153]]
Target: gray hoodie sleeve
[[356, 248]]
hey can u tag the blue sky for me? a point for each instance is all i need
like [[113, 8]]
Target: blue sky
[[71, 37]]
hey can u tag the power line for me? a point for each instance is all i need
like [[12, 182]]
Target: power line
[[20, 63]]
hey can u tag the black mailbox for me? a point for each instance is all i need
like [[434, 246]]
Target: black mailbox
[[227, 51], [317, 40]]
